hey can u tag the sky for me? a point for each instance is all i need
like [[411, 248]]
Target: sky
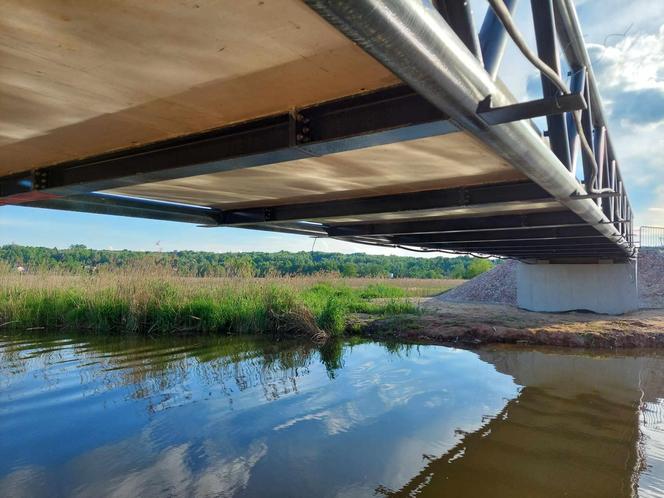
[[625, 41]]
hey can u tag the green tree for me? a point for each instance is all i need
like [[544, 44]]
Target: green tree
[[192, 263], [349, 270], [478, 266], [239, 266]]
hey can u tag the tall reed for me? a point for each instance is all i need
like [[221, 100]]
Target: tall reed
[[142, 302]]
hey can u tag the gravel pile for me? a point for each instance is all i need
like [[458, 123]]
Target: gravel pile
[[496, 286], [499, 284], [651, 278]]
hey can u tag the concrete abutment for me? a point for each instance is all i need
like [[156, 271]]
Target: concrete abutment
[[609, 288]]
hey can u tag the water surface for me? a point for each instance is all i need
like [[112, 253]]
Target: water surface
[[248, 417]]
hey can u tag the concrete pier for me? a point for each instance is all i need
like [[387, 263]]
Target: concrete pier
[[609, 288]]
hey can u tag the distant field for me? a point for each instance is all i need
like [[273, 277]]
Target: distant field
[[415, 287]]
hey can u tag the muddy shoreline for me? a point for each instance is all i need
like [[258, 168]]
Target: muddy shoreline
[[474, 324]]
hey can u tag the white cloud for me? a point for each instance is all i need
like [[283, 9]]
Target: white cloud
[[25, 481], [606, 21], [635, 62], [170, 473], [630, 75]]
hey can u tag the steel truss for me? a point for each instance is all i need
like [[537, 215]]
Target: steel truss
[[591, 218]]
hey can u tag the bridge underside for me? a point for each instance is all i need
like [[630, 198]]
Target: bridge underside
[[174, 112]]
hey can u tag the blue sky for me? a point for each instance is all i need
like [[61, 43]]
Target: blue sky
[[626, 44]]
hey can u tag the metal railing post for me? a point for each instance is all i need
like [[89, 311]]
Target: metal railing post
[[587, 122], [547, 49], [577, 85], [600, 155]]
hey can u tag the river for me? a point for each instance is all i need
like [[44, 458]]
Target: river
[[238, 416]]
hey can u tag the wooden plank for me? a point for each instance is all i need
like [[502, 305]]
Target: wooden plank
[[85, 77], [444, 161]]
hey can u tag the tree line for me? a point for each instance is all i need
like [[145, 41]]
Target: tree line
[[80, 259]]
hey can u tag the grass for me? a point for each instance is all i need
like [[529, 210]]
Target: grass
[[145, 303]]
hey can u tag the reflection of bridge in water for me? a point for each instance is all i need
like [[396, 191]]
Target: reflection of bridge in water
[[294, 420], [573, 405], [375, 122]]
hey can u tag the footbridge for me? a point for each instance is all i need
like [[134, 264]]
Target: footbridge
[[378, 122]]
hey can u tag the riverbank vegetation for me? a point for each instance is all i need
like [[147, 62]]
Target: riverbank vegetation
[[153, 303], [79, 259]]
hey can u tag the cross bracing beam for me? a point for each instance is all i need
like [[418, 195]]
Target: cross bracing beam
[[385, 116], [131, 207], [559, 257], [412, 201], [589, 247], [503, 235], [563, 257], [295, 227], [557, 253], [523, 244], [539, 252], [15, 186], [114, 205], [463, 225], [553, 252], [550, 254], [438, 241], [551, 107], [380, 117]]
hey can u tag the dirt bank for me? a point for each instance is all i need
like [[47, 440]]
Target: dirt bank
[[479, 323]]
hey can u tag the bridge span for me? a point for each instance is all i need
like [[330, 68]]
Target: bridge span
[[378, 122]]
